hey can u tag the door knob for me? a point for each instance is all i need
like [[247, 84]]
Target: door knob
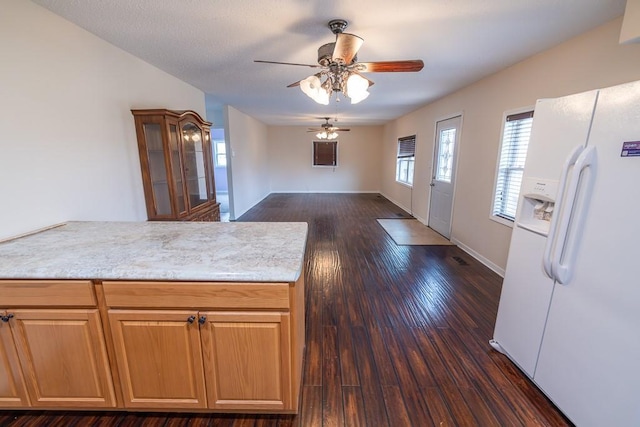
[[432, 184], [202, 320], [191, 319], [6, 317]]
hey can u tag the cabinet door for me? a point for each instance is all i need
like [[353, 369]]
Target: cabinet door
[[176, 170], [154, 161], [63, 357], [208, 157], [12, 391], [159, 358], [247, 360], [195, 173]]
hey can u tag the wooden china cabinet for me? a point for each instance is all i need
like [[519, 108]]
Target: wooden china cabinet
[[177, 165]]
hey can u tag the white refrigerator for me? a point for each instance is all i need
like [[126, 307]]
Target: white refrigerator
[[569, 312]]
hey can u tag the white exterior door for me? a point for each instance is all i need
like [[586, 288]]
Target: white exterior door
[[443, 177]]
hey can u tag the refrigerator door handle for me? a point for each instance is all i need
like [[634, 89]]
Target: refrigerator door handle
[[564, 257], [547, 261]]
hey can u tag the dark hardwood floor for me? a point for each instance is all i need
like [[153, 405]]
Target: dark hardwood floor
[[396, 335]]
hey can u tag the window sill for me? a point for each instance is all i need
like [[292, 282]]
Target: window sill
[[405, 184], [502, 221]]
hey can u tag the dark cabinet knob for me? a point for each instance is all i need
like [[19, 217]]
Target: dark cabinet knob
[[191, 319], [6, 317], [202, 319]]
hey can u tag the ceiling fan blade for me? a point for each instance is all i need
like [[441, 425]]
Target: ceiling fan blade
[[328, 129], [347, 45], [392, 66], [286, 63]]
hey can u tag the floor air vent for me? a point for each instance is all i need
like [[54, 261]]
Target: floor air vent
[[460, 260]]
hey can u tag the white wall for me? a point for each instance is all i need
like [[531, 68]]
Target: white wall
[[630, 32], [249, 169], [592, 60], [359, 161], [68, 148]]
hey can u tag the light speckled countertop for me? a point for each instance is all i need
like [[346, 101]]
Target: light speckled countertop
[[202, 251]]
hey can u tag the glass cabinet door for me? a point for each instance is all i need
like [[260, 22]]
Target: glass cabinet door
[[175, 168], [209, 162], [194, 164], [157, 168]]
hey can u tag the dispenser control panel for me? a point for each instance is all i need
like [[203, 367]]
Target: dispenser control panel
[[543, 189], [537, 204]]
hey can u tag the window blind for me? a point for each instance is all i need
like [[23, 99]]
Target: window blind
[[325, 153], [407, 146], [513, 153]]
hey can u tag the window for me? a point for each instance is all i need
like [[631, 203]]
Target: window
[[513, 153], [220, 155], [446, 147], [325, 153], [406, 159]]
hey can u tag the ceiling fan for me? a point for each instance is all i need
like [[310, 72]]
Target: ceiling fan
[[340, 69], [327, 130]]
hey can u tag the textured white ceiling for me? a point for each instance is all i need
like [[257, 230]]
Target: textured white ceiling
[[211, 44]]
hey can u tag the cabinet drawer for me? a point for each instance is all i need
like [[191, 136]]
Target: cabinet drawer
[[205, 295], [43, 293]]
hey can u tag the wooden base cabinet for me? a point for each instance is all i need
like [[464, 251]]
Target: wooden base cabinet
[[226, 347], [54, 354], [145, 345]]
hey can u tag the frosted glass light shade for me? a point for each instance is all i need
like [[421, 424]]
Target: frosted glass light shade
[[312, 87], [322, 97], [357, 88]]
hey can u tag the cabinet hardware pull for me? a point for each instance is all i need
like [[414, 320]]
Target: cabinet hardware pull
[[202, 319], [6, 317], [191, 319]]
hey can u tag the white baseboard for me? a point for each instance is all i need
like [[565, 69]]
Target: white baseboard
[[323, 192], [398, 204], [493, 267], [236, 215]]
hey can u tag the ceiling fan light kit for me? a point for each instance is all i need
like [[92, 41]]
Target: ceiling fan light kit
[[325, 135], [340, 70]]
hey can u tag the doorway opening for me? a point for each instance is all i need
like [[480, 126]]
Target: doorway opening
[[219, 151]]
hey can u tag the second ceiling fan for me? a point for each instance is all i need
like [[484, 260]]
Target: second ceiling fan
[[327, 130], [340, 69]]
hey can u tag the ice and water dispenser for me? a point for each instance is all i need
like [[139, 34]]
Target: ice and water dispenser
[[538, 204]]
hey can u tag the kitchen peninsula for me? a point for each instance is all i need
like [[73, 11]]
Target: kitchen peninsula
[[153, 316]]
